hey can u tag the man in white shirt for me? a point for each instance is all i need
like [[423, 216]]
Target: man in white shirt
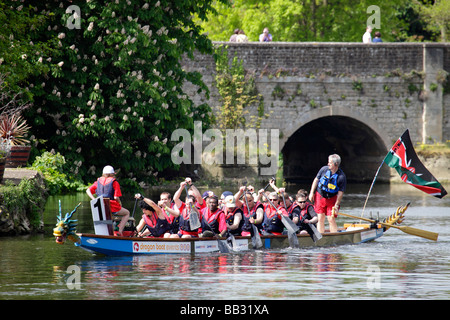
[[367, 38]]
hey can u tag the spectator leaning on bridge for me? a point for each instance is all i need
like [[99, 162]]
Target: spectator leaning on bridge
[[367, 38], [377, 37], [330, 183], [265, 36], [234, 35]]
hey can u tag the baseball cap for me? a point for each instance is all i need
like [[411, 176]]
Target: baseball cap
[[108, 170], [229, 202], [225, 194]]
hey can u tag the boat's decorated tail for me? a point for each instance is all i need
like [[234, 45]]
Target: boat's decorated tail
[[397, 217]]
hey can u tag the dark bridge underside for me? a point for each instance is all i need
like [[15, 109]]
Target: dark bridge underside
[[360, 148]]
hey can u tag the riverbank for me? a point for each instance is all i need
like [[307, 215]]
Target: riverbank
[[23, 196]]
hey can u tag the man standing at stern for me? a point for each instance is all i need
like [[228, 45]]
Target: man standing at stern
[[327, 191]]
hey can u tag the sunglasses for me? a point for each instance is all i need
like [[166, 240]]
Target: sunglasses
[[301, 201], [273, 200]]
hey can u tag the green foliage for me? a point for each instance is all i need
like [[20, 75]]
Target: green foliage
[[436, 15], [305, 20], [28, 197], [357, 86], [22, 52], [116, 93], [52, 168], [237, 91]]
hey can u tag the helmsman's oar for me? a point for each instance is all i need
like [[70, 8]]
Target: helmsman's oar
[[409, 230]]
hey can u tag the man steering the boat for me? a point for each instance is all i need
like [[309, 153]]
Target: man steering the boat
[[327, 191]]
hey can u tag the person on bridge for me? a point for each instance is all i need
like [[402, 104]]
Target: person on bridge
[[327, 191], [265, 36], [367, 38]]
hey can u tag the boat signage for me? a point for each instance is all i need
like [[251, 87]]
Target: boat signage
[[161, 247], [369, 235]]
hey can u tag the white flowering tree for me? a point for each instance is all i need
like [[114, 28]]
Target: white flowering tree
[[116, 94], [22, 53]]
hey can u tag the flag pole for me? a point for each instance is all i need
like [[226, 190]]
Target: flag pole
[[371, 186]]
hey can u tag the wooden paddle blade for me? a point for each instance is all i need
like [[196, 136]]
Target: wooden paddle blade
[[256, 239], [409, 230], [194, 221], [293, 240], [317, 234], [418, 232], [223, 246], [232, 242], [289, 224]]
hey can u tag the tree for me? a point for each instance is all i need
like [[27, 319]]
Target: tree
[[436, 15], [117, 93], [304, 20], [22, 53]]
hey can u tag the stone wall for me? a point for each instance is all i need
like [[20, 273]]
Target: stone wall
[[376, 91]]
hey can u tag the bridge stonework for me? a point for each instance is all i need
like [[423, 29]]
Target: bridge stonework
[[352, 99]]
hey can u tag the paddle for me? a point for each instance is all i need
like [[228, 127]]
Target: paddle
[[223, 248], [409, 230], [291, 227], [316, 234], [292, 236], [288, 223], [256, 239], [194, 222]]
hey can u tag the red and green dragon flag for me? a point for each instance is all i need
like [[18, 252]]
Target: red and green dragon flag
[[403, 158]]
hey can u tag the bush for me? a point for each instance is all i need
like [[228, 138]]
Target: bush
[[51, 166], [28, 197]]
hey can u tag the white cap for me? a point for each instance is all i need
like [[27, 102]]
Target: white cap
[[229, 202], [108, 170]]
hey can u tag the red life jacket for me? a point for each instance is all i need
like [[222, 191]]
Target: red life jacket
[[304, 212], [247, 226], [291, 209], [212, 218], [272, 221], [185, 227], [155, 225]]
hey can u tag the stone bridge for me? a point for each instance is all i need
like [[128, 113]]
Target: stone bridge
[[352, 99]]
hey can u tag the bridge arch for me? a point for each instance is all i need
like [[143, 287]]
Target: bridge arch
[[360, 142]]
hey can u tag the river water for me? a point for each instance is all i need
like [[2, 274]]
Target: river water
[[396, 266]]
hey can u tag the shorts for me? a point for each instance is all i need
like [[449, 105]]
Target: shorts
[[181, 233], [114, 206], [323, 205]]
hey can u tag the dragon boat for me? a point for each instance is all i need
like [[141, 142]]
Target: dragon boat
[[110, 244]]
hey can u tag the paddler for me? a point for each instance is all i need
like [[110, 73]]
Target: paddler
[[253, 214], [183, 210], [153, 218], [213, 218], [272, 223], [166, 204], [306, 215], [233, 215]]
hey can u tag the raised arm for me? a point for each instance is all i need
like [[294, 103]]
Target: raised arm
[[177, 195]]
